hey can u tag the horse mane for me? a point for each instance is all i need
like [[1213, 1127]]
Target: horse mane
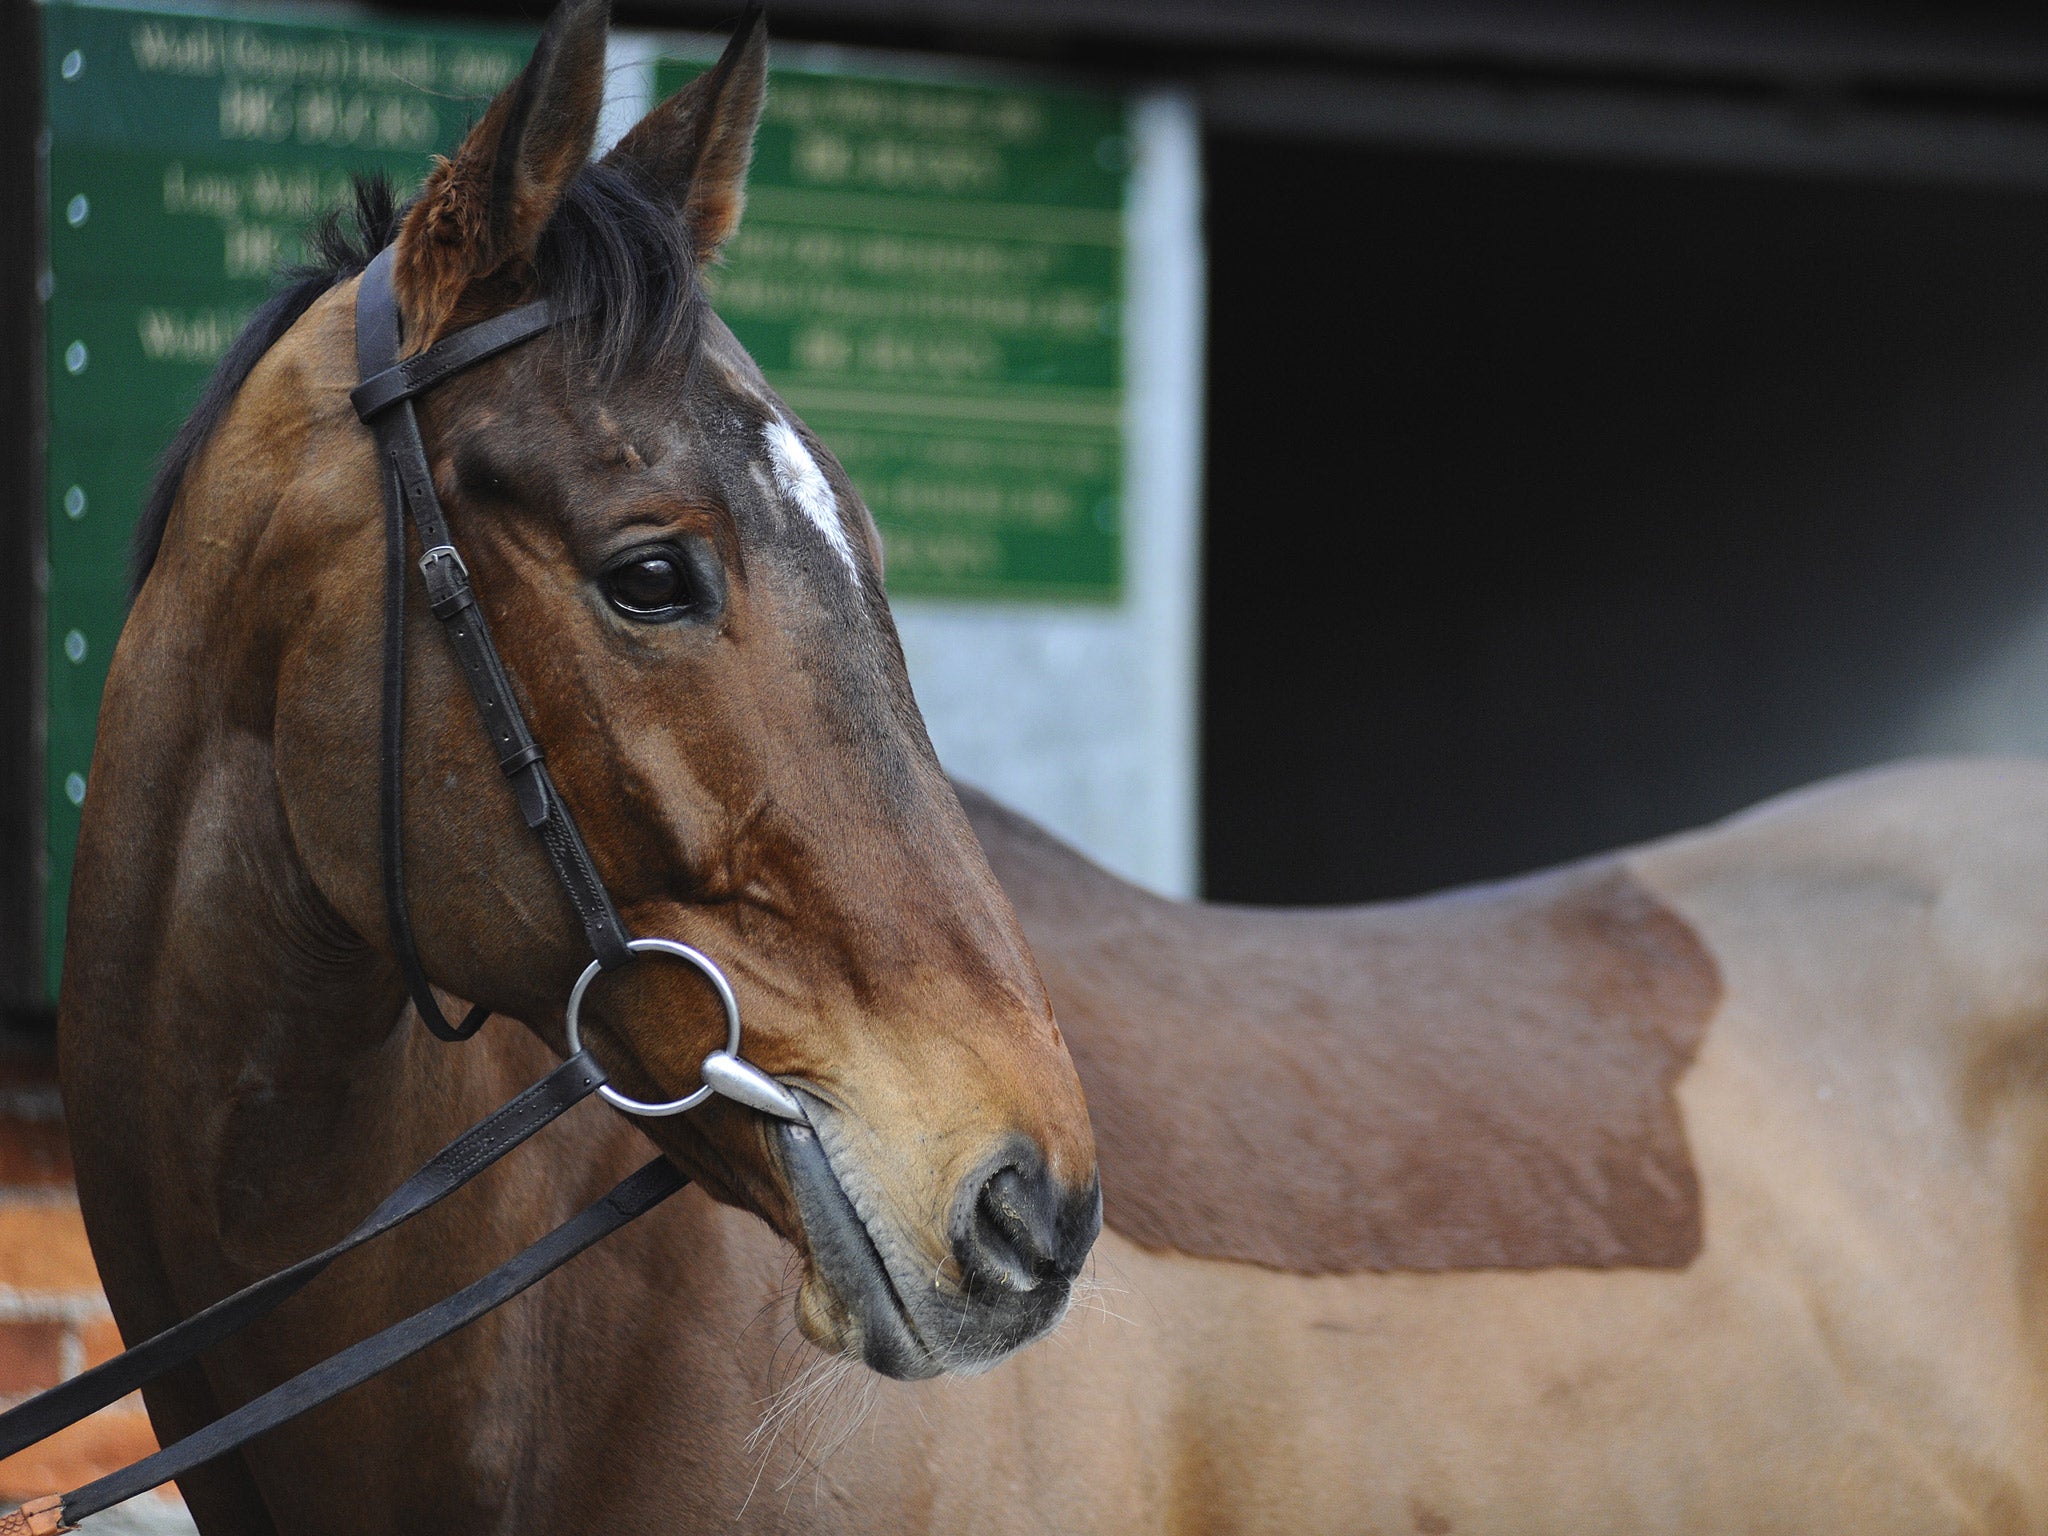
[[615, 257]]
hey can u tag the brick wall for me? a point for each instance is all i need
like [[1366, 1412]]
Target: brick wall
[[53, 1319]]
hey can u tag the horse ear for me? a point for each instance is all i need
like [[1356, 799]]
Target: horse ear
[[472, 233], [697, 144]]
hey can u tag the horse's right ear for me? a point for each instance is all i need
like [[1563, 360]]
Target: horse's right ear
[[467, 245]]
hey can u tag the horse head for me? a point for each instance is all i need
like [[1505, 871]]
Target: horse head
[[687, 592]]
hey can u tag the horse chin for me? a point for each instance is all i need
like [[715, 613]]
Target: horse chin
[[848, 1303]]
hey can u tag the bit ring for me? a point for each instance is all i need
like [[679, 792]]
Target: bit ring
[[708, 968]]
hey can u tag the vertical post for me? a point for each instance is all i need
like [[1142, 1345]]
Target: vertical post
[[1166, 299], [21, 513]]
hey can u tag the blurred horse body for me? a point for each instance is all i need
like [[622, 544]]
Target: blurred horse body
[[1857, 1343]]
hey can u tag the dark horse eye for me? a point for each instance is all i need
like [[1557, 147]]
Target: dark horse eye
[[649, 584]]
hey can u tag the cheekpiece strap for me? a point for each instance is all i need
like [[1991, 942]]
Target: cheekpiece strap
[[384, 400]]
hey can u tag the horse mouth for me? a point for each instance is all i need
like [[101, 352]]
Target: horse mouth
[[849, 1302]]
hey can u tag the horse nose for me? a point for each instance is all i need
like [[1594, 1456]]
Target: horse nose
[[1017, 1230]]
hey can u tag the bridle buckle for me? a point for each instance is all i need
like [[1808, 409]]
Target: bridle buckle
[[442, 554], [447, 578]]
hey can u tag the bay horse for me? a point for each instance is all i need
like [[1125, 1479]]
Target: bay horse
[[1696, 1188]]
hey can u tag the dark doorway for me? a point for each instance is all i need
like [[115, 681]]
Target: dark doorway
[[1557, 506]]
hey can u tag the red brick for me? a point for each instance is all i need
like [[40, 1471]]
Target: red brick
[[34, 1153], [107, 1440], [101, 1341], [43, 1248], [33, 1147], [31, 1357]]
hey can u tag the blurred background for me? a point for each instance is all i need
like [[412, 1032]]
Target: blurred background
[[1326, 451]]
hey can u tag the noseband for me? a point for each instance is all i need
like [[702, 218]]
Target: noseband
[[384, 401]]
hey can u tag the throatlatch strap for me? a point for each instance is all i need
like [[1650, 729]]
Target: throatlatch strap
[[634, 1196], [391, 790], [385, 401], [447, 1171]]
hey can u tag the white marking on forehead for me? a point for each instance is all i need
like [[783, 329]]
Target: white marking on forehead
[[798, 477]]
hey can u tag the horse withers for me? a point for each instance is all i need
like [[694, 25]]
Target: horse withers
[[687, 593]]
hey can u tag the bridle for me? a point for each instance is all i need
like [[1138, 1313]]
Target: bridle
[[384, 402]]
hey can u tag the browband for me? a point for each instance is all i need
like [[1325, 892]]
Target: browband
[[420, 373]]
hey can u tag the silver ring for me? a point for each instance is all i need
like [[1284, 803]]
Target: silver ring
[[719, 984]]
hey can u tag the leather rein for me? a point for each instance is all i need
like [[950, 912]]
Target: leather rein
[[384, 402]]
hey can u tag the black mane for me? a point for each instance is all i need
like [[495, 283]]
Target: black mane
[[615, 256]]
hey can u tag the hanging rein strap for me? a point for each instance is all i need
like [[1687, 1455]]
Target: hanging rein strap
[[451, 1168], [632, 1197], [454, 1166], [384, 401]]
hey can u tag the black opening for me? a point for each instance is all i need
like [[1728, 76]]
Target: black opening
[[1552, 507]]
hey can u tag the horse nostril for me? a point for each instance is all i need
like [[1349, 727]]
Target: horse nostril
[[1014, 1226], [1016, 1238]]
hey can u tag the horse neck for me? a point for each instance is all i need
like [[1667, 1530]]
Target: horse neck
[[244, 1078], [222, 1027], [211, 1003], [230, 1046]]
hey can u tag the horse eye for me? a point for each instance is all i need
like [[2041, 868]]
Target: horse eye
[[648, 584]]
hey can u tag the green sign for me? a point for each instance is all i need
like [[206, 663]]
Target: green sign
[[187, 157], [931, 272]]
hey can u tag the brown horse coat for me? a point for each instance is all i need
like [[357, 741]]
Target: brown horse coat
[[1858, 1344]]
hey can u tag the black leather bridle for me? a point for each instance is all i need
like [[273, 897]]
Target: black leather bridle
[[384, 401]]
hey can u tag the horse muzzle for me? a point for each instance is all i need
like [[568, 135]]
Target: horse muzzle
[[1017, 1243]]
